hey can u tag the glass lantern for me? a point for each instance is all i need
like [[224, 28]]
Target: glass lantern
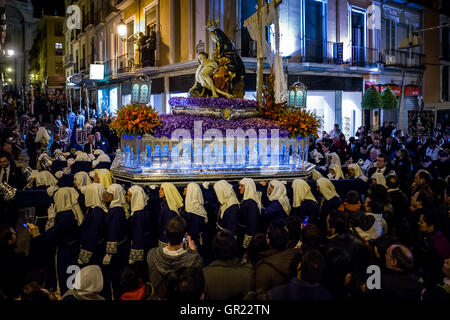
[[297, 95], [141, 91]]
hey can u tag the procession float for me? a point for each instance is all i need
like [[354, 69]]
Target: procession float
[[215, 133]]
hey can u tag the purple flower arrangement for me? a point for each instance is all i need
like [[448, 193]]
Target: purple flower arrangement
[[169, 123], [213, 102]]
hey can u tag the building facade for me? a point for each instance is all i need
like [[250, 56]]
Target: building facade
[[46, 55], [337, 48]]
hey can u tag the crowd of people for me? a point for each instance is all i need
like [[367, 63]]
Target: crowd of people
[[250, 240]]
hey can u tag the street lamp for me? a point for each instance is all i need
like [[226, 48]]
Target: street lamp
[[9, 69], [10, 52], [122, 29]]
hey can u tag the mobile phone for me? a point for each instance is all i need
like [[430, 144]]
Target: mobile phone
[[305, 222], [25, 225]]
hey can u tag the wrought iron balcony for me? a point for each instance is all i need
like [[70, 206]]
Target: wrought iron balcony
[[125, 63]]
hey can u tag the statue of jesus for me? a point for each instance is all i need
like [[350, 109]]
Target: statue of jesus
[[204, 74]]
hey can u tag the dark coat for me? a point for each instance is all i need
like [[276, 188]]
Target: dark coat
[[299, 290], [228, 279], [273, 269]]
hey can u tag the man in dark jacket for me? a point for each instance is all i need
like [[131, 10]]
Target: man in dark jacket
[[304, 285], [382, 166], [226, 277], [273, 269], [397, 281], [163, 260], [398, 199]]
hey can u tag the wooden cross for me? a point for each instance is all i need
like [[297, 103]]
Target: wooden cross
[[260, 49]]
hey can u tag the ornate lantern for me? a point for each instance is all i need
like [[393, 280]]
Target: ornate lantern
[[297, 95], [141, 90]]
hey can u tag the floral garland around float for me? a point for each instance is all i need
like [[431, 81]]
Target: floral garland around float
[[135, 119], [299, 122]]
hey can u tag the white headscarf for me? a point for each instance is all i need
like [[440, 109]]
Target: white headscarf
[[302, 192], [225, 195], [104, 175], [101, 158], [45, 178], [335, 159], [119, 195], [172, 196], [98, 152], [42, 133], [88, 283], [316, 175], [358, 172], [93, 195], [380, 178], [326, 188], [65, 199], [82, 157], [194, 200], [338, 174], [251, 192], [138, 199], [279, 193], [82, 179]]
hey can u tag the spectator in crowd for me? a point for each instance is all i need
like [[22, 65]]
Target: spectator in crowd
[[179, 252], [88, 285]]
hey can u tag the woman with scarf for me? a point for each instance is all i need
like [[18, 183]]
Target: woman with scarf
[[335, 172], [103, 161], [355, 172], [379, 178], [330, 199], [196, 217], [139, 224], [81, 179], [88, 285], [249, 212], [117, 245], [279, 208], [102, 176], [170, 208], [93, 226], [304, 203], [229, 207]]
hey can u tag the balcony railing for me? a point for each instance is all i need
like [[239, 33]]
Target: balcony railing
[[364, 57], [403, 59], [125, 63], [148, 55], [316, 51]]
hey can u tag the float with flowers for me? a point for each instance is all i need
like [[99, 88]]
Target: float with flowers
[[214, 133]]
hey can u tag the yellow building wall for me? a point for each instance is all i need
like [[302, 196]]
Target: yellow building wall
[[164, 43], [182, 31]]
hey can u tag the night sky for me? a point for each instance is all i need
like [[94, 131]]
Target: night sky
[[49, 7]]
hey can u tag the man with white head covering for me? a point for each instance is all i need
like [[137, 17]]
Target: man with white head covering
[[229, 207], [355, 172], [170, 208], [93, 226], [117, 244], [196, 216], [335, 172], [88, 285], [330, 199], [140, 224], [249, 212], [62, 228], [279, 208], [304, 203]]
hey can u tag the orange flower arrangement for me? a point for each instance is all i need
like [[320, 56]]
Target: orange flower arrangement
[[300, 122], [136, 119]]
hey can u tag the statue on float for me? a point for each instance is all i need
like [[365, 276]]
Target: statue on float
[[223, 73]]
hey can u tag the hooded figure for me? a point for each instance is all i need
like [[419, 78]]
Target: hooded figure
[[196, 216], [82, 179], [88, 285], [279, 208], [104, 177], [140, 224], [45, 179], [170, 208], [62, 228], [334, 159], [101, 158], [249, 211], [41, 134], [304, 203], [117, 244], [358, 172], [379, 178], [93, 226], [229, 206], [337, 172], [330, 199], [81, 156]]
